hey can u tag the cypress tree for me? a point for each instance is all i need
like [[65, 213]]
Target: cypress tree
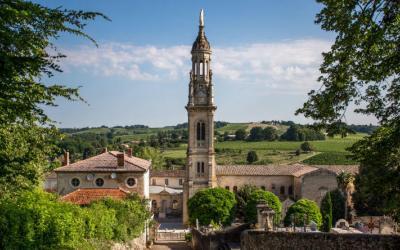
[[326, 211]]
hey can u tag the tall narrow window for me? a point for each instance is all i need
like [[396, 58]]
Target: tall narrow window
[[206, 68], [282, 189], [203, 131], [198, 167], [199, 131], [290, 190], [202, 167], [201, 68]]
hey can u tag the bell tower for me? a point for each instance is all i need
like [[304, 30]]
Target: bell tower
[[200, 164]]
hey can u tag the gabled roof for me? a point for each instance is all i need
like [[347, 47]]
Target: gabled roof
[[161, 189], [167, 173], [107, 162], [337, 169], [85, 196], [263, 170]]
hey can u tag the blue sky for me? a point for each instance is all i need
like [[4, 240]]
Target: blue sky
[[266, 56]]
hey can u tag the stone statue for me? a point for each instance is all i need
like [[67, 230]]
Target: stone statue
[[201, 17]]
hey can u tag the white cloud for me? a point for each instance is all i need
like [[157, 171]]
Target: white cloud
[[288, 66]]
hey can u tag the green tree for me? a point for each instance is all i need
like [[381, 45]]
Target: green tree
[[252, 157], [326, 212], [362, 70], [255, 198], [338, 203], [241, 134], [256, 134], [212, 205], [270, 134], [243, 196], [303, 208], [27, 58], [306, 147]]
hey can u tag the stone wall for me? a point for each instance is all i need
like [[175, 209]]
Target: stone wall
[[218, 239], [257, 239], [315, 184]]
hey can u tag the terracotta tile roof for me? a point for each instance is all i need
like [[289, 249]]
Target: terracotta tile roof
[[85, 196], [167, 173], [260, 170], [337, 169], [107, 162]]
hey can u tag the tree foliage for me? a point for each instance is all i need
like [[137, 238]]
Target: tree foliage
[[303, 208], [27, 57], [362, 69], [252, 157], [37, 220], [301, 133], [338, 203], [326, 212], [212, 205], [243, 196], [255, 198], [240, 134]]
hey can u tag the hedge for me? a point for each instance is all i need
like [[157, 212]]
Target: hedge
[[37, 220]]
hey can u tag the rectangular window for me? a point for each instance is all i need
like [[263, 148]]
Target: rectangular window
[[181, 182], [166, 181], [154, 182], [198, 167], [227, 187], [202, 167]]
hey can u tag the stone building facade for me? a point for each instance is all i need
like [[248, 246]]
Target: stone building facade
[[108, 171]]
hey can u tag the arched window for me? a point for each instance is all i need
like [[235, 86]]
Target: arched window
[[200, 168], [206, 68], [201, 131], [201, 68]]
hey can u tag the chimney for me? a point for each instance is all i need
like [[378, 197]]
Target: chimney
[[66, 158], [104, 150], [121, 159], [129, 152]]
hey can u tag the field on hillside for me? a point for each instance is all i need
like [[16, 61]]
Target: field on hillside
[[333, 151], [329, 151]]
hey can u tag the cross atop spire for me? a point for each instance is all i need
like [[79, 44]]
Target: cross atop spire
[[201, 17]]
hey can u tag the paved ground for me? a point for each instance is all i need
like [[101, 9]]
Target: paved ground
[[171, 245]]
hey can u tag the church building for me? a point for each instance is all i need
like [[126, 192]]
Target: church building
[[286, 181]]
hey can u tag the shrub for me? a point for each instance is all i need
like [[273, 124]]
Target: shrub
[[299, 209], [326, 212], [330, 158], [252, 157], [306, 147], [37, 220], [255, 198], [215, 205]]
